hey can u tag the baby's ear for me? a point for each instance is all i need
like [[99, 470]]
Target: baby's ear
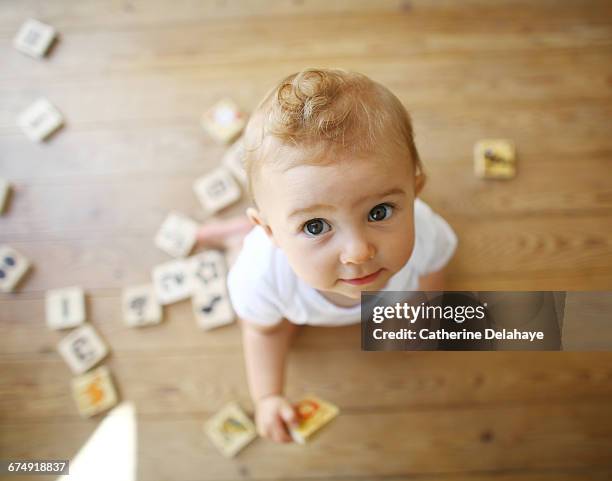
[[256, 218]]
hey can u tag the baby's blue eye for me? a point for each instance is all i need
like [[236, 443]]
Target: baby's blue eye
[[380, 212], [315, 227]]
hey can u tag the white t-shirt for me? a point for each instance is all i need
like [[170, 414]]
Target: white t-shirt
[[264, 289]]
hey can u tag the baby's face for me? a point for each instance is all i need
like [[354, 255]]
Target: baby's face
[[346, 227]]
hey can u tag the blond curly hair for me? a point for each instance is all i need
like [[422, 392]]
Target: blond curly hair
[[329, 112]]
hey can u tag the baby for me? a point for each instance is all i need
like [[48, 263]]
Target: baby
[[333, 174]]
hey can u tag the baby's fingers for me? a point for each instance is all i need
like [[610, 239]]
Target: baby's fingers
[[287, 412], [280, 433]]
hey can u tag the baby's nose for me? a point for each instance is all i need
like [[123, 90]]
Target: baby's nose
[[357, 251]]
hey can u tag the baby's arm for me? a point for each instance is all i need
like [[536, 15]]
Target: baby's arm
[[265, 352]]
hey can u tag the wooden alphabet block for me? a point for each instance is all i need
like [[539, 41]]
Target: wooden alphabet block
[[230, 430], [212, 307], [224, 121], [34, 38], [177, 235], [313, 413], [216, 190], [495, 159], [206, 270], [94, 392], [82, 349], [13, 266], [40, 120], [65, 307], [233, 160], [140, 306], [210, 301], [5, 191], [171, 282]]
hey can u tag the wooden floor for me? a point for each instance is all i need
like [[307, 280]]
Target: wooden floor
[[132, 78]]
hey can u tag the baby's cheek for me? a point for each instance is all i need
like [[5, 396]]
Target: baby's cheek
[[409, 246], [310, 264], [320, 264], [404, 245]]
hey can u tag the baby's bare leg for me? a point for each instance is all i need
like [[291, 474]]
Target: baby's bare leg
[[216, 232], [225, 234]]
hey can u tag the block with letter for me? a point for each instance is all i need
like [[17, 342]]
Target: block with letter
[[313, 413], [171, 282], [212, 307], [495, 159], [40, 120], [177, 235], [34, 38], [233, 159], [13, 267], [206, 269], [82, 349], [230, 429], [210, 300], [140, 306], [65, 308], [94, 392], [224, 121], [217, 190], [5, 191]]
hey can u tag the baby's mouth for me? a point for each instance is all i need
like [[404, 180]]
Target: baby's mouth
[[360, 281]]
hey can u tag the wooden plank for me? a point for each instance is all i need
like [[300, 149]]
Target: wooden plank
[[371, 41], [549, 475], [143, 13], [556, 185], [137, 150], [591, 278], [151, 98], [96, 206], [97, 14], [526, 245], [123, 205], [537, 475], [173, 381], [576, 475], [556, 436], [587, 321], [520, 244], [105, 154], [88, 263], [448, 137], [23, 331]]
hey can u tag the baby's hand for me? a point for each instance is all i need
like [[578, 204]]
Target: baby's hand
[[273, 415]]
